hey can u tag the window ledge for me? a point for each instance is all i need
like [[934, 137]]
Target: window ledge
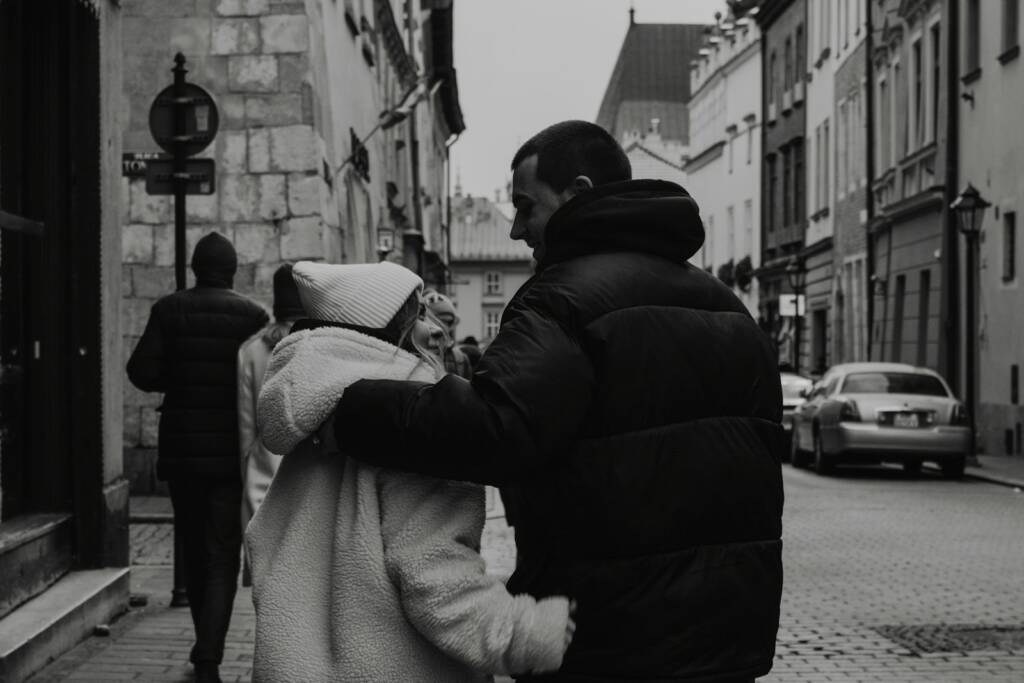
[[971, 76], [1009, 55]]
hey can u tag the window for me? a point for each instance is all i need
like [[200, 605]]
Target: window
[[787, 180], [750, 143], [1009, 245], [801, 61], [748, 223], [771, 78], [1011, 20], [843, 19], [773, 189], [918, 86], [787, 77], [882, 117], [730, 214], [901, 117], [817, 169], [800, 182], [492, 321], [916, 383], [936, 52], [972, 58], [897, 317], [841, 150], [492, 282], [827, 158], [923, 305]]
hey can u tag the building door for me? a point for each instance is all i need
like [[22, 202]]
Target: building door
[[50, 386]]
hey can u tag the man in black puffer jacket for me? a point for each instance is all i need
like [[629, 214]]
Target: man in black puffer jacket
[[630, 408], [189, 352]]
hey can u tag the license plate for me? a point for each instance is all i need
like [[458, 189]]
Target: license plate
[[905, 420]]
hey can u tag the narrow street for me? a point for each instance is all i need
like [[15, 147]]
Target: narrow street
[[889, 577]]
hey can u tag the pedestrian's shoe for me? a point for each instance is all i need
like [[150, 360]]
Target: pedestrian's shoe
[[207, 672]]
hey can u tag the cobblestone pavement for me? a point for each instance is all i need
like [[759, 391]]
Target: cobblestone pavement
[[881, 568], [871, 549], [152, 643]]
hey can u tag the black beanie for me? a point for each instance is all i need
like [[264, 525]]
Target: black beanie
[[214, 261], [286, 295]]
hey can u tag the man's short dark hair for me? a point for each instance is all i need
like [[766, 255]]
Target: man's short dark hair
[[573, 148]]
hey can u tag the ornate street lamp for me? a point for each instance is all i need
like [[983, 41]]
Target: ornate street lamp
[[970, 213], [796, 273]]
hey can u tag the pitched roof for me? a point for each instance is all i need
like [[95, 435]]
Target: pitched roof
[[480, 232], [651, 79]]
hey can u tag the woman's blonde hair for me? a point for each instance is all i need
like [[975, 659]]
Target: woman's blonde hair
[[404, 322]]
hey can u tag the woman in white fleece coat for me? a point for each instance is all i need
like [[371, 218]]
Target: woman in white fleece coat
[[362, 574]]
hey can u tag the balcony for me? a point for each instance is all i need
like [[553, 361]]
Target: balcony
[[787, 101], [771, 113], [798, 93]]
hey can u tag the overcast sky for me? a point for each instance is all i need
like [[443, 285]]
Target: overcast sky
[[525, 64]]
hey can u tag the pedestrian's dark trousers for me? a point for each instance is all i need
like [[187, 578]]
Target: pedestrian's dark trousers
[[208, 518]]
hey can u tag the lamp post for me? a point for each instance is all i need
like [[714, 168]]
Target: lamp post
[[970, 212], [796, 273]]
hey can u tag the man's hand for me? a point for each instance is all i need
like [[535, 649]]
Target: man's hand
[[324, 436]]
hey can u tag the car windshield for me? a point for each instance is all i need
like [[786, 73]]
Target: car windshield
[[792, 385], [893, 383]]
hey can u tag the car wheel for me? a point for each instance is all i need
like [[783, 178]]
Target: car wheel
[[953, 468], [822, 462], [912, 466]]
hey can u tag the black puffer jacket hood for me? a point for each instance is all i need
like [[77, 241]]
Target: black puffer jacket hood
[[651, 216]]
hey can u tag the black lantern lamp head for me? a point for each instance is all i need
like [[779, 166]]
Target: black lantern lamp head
[[970, 210], [796, 273]]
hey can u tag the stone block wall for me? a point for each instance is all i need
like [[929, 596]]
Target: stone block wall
[[271, 198]]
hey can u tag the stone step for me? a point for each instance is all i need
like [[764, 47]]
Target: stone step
[[58, 619]]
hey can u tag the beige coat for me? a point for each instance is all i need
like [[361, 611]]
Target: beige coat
[[361, 574], [258, 464]]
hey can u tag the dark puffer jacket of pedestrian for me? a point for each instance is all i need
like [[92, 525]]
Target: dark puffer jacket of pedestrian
[[189, 352]]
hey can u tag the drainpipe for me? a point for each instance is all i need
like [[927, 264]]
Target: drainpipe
[[869, 104], [950, 344], [412, 240], [448, 209]]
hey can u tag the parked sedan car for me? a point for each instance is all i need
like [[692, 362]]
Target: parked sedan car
[[794, 389], [881, 412]]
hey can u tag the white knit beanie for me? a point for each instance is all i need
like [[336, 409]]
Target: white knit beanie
[[364, 294]]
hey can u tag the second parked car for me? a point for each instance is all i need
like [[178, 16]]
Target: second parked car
[[881, 412]]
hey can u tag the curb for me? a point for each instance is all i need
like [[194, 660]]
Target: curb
[[151, 518], [971, 473]]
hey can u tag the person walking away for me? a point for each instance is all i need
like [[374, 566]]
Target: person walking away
[[631, 408], [456, 361], [259, 464], [471, 348], [361, 574], [188, 351]]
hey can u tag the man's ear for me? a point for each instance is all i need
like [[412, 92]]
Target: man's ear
[[581, 183]]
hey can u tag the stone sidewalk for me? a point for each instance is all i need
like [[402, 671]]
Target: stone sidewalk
[[151, 642]]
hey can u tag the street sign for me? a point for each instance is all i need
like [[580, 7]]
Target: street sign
[[200, 119], [200, 176], [133, 164], [791, 305]]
